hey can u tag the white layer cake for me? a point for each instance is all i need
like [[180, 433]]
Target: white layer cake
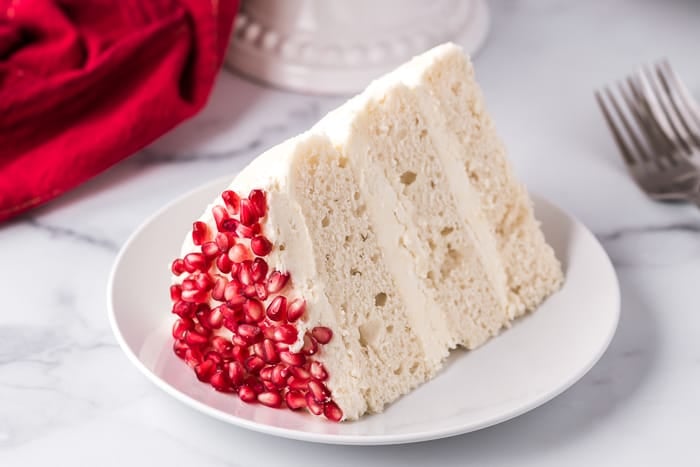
[[401, 226]]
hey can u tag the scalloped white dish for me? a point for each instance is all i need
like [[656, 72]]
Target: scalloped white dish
[[538, 358]]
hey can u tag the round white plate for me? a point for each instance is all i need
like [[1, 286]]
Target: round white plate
[[539, 357]]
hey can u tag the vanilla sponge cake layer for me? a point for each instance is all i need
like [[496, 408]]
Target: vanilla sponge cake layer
[[403, 228]]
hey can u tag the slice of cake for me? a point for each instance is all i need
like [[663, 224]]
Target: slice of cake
[[341, 266]]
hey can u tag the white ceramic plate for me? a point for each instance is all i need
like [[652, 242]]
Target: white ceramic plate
[[539, 357]]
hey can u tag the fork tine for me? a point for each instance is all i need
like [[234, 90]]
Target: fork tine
[[658, 126], [627, 154], [681, 100], [639, 111], [678, 133]]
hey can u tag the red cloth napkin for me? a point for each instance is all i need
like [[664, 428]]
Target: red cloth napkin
[[85, 83]]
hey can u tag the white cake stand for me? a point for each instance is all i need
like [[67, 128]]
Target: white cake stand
[[339, 46]]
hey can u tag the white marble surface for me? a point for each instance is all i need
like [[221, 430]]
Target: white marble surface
[[69, 397]]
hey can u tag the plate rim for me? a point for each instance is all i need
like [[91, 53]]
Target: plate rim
[[326, 438]]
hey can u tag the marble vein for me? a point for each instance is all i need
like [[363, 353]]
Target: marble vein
[[62, 232]]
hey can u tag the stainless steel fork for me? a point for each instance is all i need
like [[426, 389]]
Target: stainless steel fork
[[656, 126]]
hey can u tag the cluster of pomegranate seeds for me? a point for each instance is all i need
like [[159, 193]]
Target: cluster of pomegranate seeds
[[228, 285]]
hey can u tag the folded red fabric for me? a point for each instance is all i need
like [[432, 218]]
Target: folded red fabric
[[85, 83]]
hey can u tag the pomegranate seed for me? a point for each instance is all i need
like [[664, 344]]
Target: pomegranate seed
[[269, 352], [237, 340], [189, 284], [224, 241], [180, 348], [247, 213], [210, 250], [279, 375], [260, 245], [203, 310], [239, 253], [236, 372], [247, 231], [258, 202], [277, 281], [292, 359], [277, 309], [175, 292], [296, 309], [270, 399], [232, 290], [261, 291], [332, 412], [259, 270], [223, 263], [215, 318], [180, 328], [233, 314], [178, 267], [245, 275], [204, 370], [247, 394], [266, 373], [193, 357], [254, 363], [213, 356], [300, 373], [229, 225], [322, 334], [193, 338], [220, 215], [232, 200], [217, 291], [204, 282], [314, 407], [253, 310], [285, 333], [249, 291], [221, 345], [319, 391], [249, 332], [240, 353], [318, 371], [200, 230], [295, 400], [220, 382], [184, 309], [196, 296], [310, 345], [295, 383], [195, 262]]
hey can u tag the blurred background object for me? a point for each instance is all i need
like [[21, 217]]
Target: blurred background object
[[337, 47]]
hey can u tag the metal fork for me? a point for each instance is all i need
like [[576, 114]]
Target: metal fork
[[656, 126]]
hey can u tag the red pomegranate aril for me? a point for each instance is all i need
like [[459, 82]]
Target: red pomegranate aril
[[204, 370], [245, 275], [237, 340], [231, 200], [210, 250], [232, 314], [247, 231], [332, 412], [189, 284], [285, 333], [253, 310], [220, 215], [177, 267], [198, 327], [261, 291], [249, 332], [195, 262], [247, 213], [295, 383], [258, 202], [232, 290], [195, 296], [292, 359], [247, 394], [310, 346], [279, 375], [261, 246], [221, 344], [249, 291], [239, 353], [193, 338], [213, 356], [224, 241], [204, 282], [277, 309], [236, 372], [259, 270], [265, 373], [193, 357], [215, 318], [184, 309], [314, 407], [217, 291], [296, 309], [322, 334], [175, 292], [295, 400], [319, 391], [224, 263], [180, 348], [300, 373], [200, 230], [180, 328], [318, 371], [277, 281], [219, 382], [254, 363], [270, 399], [269, 385], [229, 225], [269, 352], [239, 253]]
